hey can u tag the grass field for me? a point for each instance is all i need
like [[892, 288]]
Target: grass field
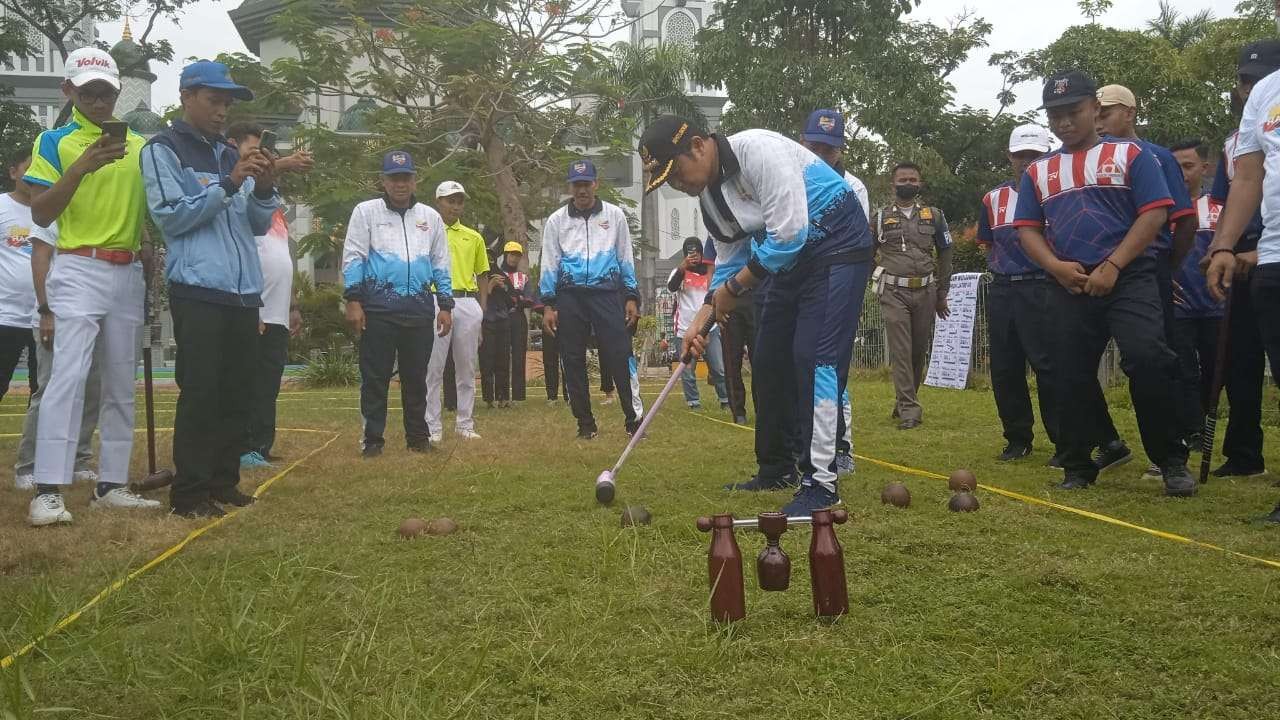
[[308, 605]]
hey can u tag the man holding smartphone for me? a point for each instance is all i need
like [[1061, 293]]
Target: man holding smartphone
[[210, 202], [85, 176]]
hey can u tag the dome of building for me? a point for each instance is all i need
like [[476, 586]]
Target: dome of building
[[130, 57], [355, 118], [143, 121]]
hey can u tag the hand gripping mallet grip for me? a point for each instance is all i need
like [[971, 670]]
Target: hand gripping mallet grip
[[1209, 432], [606, 485]]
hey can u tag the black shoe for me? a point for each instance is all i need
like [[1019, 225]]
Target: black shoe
[[587, 434], [633, 428], [1014, 452], [739, 419], [1194, 442], [1178, 481], [272, 457], [1055, 462], [1274, 517], [910, 424], [767, 484], [371, 451], [201, 509], [232, 496], [1111, 455], [1230, 469], [421, 446], [1075, 482]]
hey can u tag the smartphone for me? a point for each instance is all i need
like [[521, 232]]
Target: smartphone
[[268, 143], [116, 129]]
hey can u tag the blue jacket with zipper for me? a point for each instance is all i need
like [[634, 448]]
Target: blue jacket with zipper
[[208, 222]]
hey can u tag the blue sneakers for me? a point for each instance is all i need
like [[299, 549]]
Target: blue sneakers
[[253, 461], [811, 496], [844, 464]]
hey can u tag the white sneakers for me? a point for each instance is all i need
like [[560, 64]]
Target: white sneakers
[[88, 476], [51, 509], [468, 434], [435, 439], [121, 497], [47, 510]]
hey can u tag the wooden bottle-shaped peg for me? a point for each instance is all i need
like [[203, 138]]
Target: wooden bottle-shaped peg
[[724, 570], [773, 567], [826, 565]]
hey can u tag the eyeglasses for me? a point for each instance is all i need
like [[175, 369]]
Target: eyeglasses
[[108, 95]]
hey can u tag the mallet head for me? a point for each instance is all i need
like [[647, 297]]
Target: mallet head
[[605, 487]]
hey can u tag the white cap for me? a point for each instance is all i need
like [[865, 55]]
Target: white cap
[[1030, 137], [88, 64], [449, 187]]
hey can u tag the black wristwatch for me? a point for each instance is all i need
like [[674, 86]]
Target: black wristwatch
[[734, 287], [44, 309]]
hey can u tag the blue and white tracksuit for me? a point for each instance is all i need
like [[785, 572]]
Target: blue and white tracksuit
[[814, 246], [587, 273]]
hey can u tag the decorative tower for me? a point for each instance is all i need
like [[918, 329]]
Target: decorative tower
[[135, 73]]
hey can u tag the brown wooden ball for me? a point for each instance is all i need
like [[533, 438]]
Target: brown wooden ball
[[442, 526], [962, 481], [896, 494], [963, 502], [413, 527]]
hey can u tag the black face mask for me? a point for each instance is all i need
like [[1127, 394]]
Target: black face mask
[[906, 192]]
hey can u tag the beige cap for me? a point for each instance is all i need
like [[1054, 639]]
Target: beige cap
[[1116, 95]]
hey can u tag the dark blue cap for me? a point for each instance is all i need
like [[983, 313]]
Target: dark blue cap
[[397, 162], [582, 169], [825, 126], [210, 74]]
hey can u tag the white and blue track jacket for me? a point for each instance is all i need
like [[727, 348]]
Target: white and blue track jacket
[[391, 257], [587, 249], [801, 211]]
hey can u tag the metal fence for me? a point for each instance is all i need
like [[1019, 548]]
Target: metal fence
[[871, 353]]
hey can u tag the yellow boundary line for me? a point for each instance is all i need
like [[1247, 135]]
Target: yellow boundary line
[[1046, 503], [114, 587]]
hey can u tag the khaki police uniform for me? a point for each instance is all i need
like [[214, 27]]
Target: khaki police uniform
[[913, 270]]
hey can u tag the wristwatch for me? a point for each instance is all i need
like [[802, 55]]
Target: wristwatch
[[44, 309], [734, 287]]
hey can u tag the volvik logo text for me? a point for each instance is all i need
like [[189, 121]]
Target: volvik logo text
[[99, 62]]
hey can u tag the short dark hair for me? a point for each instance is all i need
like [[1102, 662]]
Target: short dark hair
[[241, 130], [17, 154], [1192, 144], [905, 165]]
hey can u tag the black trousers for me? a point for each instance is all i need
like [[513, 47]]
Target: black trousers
[[1246, 364], [777, 442], [384, 344], [606, 378], [738, 337], [215, 359], [1196, 342], [450, 385], [1266, 303], [495, 361], [553, 367], [1020, 334], [519, 351], [1131, 314], [273, 355], [580, 313], [13, 340]]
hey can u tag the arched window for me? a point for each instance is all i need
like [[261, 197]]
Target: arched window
[[679, 27]]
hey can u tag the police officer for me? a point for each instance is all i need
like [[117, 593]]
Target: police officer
[[1242, 442], [1016, 310], [913, 254], [1087, 215], [824, 136]]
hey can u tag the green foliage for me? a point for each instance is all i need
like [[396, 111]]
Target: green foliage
[[966, 256], [18, 127], [334, 367], [1180, 69], [323, 323]]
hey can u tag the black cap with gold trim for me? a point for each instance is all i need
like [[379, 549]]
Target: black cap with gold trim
[[661, 142]]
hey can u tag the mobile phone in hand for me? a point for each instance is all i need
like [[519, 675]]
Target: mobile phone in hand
[[268, 143], [115, 129]]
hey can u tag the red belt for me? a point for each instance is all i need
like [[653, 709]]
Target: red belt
[[115, 257]]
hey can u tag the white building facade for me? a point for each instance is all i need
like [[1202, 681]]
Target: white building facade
[[37, 79]]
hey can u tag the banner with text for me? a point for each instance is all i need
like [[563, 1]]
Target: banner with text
[[953, 337]]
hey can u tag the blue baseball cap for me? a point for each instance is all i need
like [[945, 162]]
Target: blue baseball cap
[[210, 74], [581, 170], [397, 162], [825, 126]]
